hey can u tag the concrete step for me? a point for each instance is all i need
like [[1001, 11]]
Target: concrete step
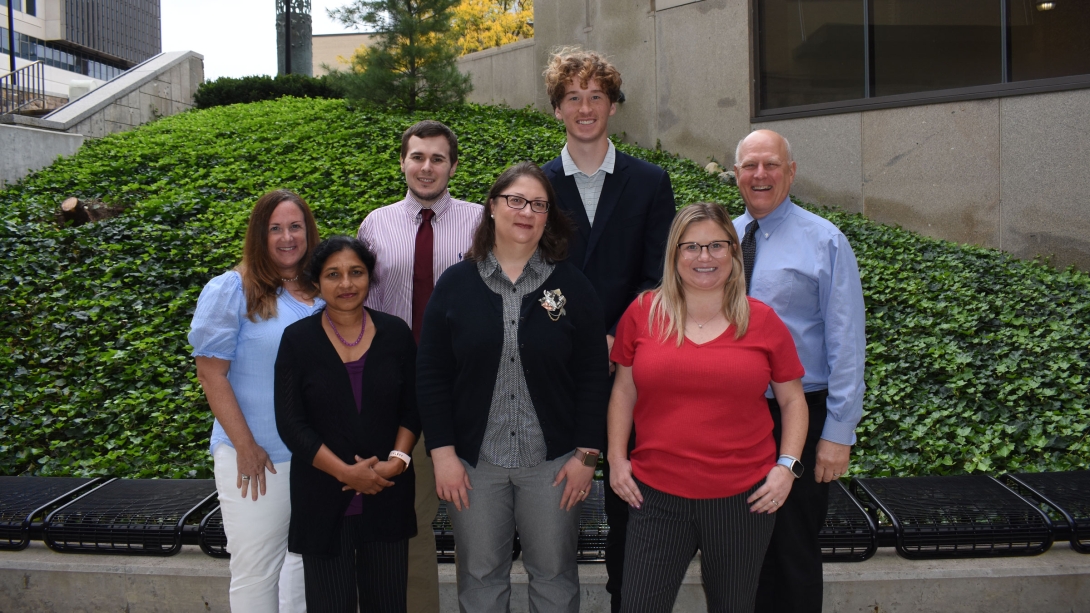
[[38, 579]]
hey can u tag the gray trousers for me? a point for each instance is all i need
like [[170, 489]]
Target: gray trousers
[[501, 501], [665, 533]]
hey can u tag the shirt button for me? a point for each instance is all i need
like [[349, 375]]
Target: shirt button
[[512, 359], [512, 433], [513, 290], [512, 322], [512, 396]]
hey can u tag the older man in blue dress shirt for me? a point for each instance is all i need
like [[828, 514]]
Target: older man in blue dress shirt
[[803, 267]]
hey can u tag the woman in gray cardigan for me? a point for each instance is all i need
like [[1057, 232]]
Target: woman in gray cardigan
[[512, 387]]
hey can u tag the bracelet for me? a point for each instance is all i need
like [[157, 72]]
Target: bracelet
[[401, 455]]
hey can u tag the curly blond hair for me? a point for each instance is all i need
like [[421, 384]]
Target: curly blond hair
[[570, 63]]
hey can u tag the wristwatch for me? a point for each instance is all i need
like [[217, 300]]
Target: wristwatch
[[589, 458], [792, 464]]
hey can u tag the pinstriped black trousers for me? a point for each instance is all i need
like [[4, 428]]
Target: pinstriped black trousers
[[373, 575], [665, 533]]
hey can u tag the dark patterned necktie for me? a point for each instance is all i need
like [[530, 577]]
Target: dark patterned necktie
[[423, 281], [749, 251]]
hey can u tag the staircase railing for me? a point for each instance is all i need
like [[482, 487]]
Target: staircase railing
[[23, 87]]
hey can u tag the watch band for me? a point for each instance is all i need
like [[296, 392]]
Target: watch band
[[792, 464], [401, 455]]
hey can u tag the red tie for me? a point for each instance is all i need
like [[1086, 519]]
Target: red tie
[[423, 280]]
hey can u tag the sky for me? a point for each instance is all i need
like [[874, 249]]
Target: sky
[[237, 37]]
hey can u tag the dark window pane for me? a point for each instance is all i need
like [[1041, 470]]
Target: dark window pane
[[924, 45], [811, 51], [32, 7], [1049, 43]]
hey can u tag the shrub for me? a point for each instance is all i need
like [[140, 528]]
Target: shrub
[[229, 90], [976, 361]]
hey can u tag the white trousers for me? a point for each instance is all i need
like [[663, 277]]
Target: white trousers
[[264, 576]]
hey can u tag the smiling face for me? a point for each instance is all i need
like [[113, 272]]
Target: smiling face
[[287, 238], [519, 227], [704, 272], [585, 111], [344, 281], [427, 167], [764, 172]]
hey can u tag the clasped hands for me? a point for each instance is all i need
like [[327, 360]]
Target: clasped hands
[[370, 476]]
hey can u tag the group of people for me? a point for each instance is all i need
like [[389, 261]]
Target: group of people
[[489, 356]]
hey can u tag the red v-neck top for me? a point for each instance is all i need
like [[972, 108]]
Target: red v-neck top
[[703, 428]]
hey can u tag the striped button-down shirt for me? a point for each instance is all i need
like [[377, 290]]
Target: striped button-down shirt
[[390, 231], [589, 186], [513, 436]]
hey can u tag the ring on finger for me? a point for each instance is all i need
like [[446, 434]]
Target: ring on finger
[[245, 477]]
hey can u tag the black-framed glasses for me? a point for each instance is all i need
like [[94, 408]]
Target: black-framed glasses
[[518, 203], [716, 249]]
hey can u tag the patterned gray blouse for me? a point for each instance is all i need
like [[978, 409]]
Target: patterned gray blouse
[[513, 437]]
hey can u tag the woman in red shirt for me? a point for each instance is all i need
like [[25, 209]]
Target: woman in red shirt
[[694, 359]]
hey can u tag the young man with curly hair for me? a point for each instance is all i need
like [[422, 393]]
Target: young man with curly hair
[[622, 208]]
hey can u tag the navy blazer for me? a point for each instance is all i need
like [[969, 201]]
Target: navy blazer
[[622, 254]]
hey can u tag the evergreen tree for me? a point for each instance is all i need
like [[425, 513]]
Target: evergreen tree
[[413, 64]]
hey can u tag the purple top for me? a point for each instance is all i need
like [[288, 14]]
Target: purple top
[[355, 377]]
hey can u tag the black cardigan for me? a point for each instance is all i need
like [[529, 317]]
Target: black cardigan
[[315, 405], [565, 362]]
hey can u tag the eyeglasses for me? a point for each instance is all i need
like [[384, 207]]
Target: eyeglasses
[[716, 249], [518, 203]]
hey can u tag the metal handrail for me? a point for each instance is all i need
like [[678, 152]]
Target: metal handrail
[[22, 87]]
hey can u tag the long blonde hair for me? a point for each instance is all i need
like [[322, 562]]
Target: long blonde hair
[[668, 311]]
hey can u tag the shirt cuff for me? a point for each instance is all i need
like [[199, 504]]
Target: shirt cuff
[[838, 432]]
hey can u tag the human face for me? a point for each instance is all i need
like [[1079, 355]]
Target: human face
[[344, 282], [704, 272], [427, 167], [585, 111], [764, 173], [519, 226], [287, 238]]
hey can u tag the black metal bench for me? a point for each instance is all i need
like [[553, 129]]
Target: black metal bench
[[25, 501], [849, 534], [1067, 495], [955, 517], [135, 517]]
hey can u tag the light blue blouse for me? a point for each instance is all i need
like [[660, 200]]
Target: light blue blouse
[[221, 330]]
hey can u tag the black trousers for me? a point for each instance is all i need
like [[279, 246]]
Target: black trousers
[[791, 579], [665, 533], [372, 575]]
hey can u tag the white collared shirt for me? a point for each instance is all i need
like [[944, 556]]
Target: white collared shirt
[[589, 186]]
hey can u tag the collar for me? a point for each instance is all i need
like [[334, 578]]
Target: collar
[[608, 163], [413, 207], [537, 265], [773, 220]]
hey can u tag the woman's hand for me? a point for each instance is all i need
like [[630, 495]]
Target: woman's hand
[[578, 480], [252, 463], [773, 492], [451, 481], [620, 479], [363, 477], [390, 468]]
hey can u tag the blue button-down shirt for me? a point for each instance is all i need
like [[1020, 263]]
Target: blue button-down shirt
[[806, 271]]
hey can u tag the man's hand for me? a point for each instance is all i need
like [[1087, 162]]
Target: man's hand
[[451, 480], [832, 461]]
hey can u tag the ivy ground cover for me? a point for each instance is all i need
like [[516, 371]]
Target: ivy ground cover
[[976, 361]]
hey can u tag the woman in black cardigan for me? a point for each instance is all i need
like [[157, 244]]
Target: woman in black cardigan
[[513, 382], [346, 407]]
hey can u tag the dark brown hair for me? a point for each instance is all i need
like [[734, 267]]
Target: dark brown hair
[[558, 227], [260, 278], [427, 129], [571, 63]]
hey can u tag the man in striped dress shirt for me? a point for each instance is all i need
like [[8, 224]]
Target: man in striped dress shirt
[[416, 240]]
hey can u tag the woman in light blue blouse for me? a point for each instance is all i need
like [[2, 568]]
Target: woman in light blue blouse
[[235, 335]]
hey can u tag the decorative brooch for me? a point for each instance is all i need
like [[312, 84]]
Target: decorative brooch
[[554, 302]]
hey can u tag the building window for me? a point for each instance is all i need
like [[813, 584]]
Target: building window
[[821, 56]]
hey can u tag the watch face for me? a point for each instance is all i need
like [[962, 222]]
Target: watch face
[[796, 469], [590, 459]]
